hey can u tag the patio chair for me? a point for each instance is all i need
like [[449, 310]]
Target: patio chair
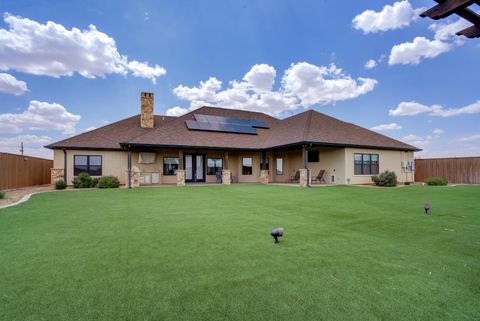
[[295, 178], [319, 178]]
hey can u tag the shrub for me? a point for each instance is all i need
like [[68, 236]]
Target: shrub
[[60, 184], [436, 181], [2, 195], [108, 182], [94, 182], [407, 183], [386, 178], [83, 180]]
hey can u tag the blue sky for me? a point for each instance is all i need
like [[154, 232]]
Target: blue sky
[[280, 57]]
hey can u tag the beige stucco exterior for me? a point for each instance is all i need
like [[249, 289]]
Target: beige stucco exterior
[[338, 164], [388, 160]]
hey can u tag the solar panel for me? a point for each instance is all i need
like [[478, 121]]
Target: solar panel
[[225, 124]]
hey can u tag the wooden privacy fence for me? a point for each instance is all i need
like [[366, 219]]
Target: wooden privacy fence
[[20, 171], [462, 170]]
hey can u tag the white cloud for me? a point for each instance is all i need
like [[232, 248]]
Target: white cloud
[[88, 129], [413, 108], [40, 116], [26, 139], [418, 141], [32, 145], [370, 64], [395, 16], [52, 50], [322, 85], [177, 111], [10, 85], [437, 131], [261, 77], [384, 127], [446, 31], [470, 138], [303, 85], [411, 53], [143, 70], [414, 52]]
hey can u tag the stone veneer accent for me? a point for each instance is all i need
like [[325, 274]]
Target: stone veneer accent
[[135, 177], [304, 177], [264, 176], [180, 177], [146, 118], [56, 174], [226, 176]]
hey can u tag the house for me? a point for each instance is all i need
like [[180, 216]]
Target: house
[[216, 144]]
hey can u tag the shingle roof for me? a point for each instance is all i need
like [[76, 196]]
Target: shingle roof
[[307, 127], [109, 136]]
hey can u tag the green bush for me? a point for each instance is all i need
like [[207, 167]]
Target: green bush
[[436, 181], [386, 178], [94, 182], [2, 195], [60, 184], [108, 182], [83, 180], [408, 183]]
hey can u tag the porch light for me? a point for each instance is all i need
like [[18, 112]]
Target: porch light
[[426, 207], [276, 233]]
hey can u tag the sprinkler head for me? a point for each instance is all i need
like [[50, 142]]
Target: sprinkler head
[[276, 233], [426, 207]]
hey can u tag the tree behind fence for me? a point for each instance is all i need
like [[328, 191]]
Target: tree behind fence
[[461, 170], [21, 171]]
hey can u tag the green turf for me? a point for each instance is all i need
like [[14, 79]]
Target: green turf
[[205, 253]]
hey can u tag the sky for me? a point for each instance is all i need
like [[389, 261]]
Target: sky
[[68, 67]]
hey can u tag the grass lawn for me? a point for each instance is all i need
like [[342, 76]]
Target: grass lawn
[[205, 253]]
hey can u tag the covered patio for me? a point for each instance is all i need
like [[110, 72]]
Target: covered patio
[[301, 165]]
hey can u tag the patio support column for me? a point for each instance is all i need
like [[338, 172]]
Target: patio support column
[[129, 169], [263, 169], [226, 173], [305, 176], [65, 165], [180, 159]]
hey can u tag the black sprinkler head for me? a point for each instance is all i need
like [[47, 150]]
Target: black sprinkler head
[[426, 207], [276, 233]]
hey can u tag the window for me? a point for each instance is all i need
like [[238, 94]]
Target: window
[[214, 165], [266, 160], [313, 156], [91, 164], [247, 166], [170, 166], [366, 164], [279, 166]]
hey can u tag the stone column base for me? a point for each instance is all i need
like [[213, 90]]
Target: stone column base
[[56, 174], [180, 177], [226, 177], [134, 177], [304, 177], [264, 176]]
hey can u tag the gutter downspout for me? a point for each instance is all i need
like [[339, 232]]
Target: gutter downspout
[[65, 165], [129, 168]]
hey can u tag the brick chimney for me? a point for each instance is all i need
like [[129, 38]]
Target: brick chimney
[[146, 117]]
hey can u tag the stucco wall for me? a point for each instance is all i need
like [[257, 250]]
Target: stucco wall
[[388, 160], [333, 162], [113, 162]]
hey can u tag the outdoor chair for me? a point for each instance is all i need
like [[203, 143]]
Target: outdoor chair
[[295, 178], [319, 178]]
